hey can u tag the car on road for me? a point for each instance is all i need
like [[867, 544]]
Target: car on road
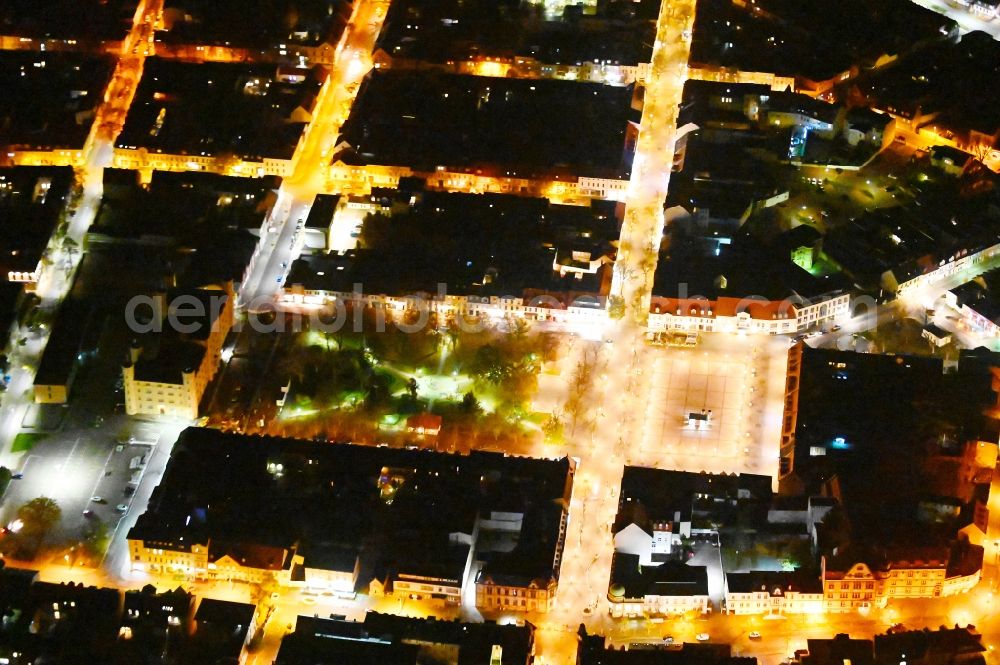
[[669, 639], [88, 513], [98, 499], [754, 635], [122, 507], [17, 476], [835, 328], [702, 637]]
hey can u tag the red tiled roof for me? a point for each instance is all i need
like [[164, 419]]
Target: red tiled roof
[[426, 421]]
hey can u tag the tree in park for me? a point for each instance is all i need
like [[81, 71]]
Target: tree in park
[[38, 516]]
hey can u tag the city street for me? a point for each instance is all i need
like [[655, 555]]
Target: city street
[[284, 237], [716, 407]]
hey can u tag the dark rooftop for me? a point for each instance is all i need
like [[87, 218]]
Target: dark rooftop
[[839, 650], [49, 99], [814, 41], [497, 126], [630, 579], [393, 640], [278, 492], [463, 242], [773, 582], [224, 613], [83, 20], [593, 650], [882, 457], [928, 645], [663, 493], [31, 201], [619, 32], [176, 110], [261, 25], [951, 79]]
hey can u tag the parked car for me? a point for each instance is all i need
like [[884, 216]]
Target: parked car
[[122, 507], [98, 499], [754, 635], [702, 637]]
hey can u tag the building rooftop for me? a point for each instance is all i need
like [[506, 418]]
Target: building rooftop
[[49, 98], [883, 459], [280, 492], [224, 613], [66, 342], [189, 209], [630, 579], [666, 494], [839, 650], [928, 645], [439, 31], [813, 42], [773, 582], [321, 213], [463, 241], [31, 202], [594, 650], [224, 22], [948, 83], [393, 639], [176, 110], [494, 126], [69, 20]]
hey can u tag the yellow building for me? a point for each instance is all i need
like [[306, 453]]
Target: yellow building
[[773, 593], [870, 579], [171, 365], [500, 593]]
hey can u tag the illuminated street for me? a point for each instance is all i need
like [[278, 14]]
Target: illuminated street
[[56, 281], [872, 216], [281, 245]]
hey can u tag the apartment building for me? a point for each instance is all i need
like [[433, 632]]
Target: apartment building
[[170, 367]]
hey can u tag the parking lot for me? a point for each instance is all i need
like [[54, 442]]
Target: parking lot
[[75, 466]]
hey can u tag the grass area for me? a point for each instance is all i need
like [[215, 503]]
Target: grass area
[[25, 441]]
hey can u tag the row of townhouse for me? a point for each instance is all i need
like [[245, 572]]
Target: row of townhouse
[[253, 564], [336, 570], [543, 308], [592, 71], [667, 589], [861, 582], [667, 315], [501, 550], [141, 159], [861, 585], [750, 315], [579, 190], [964, 260]]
